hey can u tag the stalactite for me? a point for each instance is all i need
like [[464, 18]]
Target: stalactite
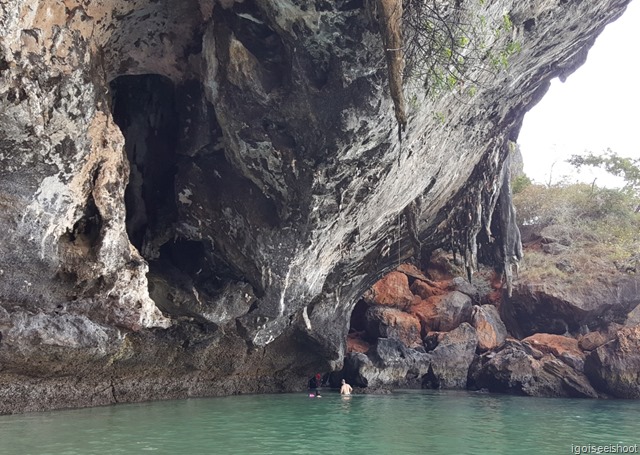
[[412, 213]]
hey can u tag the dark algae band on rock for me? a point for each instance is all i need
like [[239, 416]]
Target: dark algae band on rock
[[195, 195]]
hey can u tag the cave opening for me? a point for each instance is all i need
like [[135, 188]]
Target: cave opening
[[144, 108], [171, 135]]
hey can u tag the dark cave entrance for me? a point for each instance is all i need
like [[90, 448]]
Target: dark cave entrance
[[145, 110], [169, 129]]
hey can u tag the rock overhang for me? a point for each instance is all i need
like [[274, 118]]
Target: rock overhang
[[298, 184]]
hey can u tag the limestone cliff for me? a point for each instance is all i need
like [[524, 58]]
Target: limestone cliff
[[194, 194]]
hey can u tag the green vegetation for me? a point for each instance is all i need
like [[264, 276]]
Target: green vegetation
[[597, 227], [449, 48], [627, 168]]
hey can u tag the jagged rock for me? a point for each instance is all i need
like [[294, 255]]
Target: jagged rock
[[393, 290], [633, 318], [556, 234], [557, 308], [593, 340], [244, 144], [489, 327], [382, 322], [389, 363], [424, 289], [464, 286], [451, 359], [564, 348], [517, 368], [444, 313], [614, 367]]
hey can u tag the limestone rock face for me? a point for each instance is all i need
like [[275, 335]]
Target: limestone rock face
[[194, 194], [614, 367]]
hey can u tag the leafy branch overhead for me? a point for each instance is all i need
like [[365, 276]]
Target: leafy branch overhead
[[627, 168], [444, 45], [452, 44]]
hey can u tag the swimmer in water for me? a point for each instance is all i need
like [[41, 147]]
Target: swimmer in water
[[345, 389], [314, 386]]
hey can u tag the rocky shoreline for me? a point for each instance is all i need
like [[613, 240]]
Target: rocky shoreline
[[411, 330]]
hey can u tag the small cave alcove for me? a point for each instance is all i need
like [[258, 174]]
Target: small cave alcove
[[144, 108]]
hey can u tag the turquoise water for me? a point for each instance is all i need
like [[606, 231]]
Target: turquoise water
[[405, 422]]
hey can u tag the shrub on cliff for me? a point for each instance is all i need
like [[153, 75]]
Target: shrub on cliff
[[600, 225], [573, 204]]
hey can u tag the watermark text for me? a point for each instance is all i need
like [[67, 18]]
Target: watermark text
[[579, 449]]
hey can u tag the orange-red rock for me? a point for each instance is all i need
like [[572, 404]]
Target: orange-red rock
[[425, 290], [356, 344], [393, 290], [443, 312], [593, 340], [490, 329], [425, 311], [555, 344], [393, 323], [560, 346]]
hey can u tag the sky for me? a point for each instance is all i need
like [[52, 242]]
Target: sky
[[596, 108]]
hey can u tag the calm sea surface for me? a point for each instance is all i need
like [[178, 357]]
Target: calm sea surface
[[405, 422]]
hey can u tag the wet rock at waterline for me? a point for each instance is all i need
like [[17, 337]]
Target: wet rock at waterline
[[614, 366], [194, 195], [520, 369], [450, 360]]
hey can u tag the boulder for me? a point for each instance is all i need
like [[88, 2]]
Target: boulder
[[614, 367], [633, 318], [424, 289], [560, 307], [451, 359], [489, 327], [564, 348], [384, 322], [554, 248], [593, 340], [519, 369], [556, 234], [462, 285], [393, 290], [445, 312], [389, 363]]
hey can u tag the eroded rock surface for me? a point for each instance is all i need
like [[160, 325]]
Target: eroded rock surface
[[194, 195], [614, 367]]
